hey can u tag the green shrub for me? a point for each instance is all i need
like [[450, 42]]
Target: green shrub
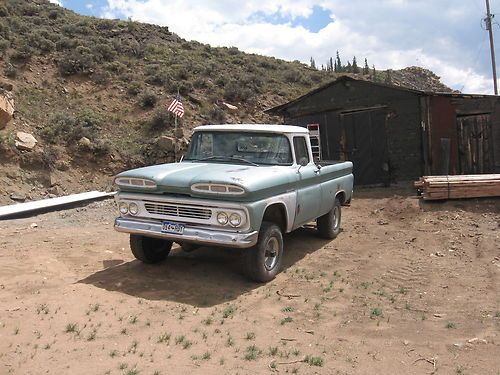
[[22, 52], [103, 52], [161, 119], [4, 44], [148, 99], [10, 71], [134, 89], [40, 42], [80, 60], [66, 43]]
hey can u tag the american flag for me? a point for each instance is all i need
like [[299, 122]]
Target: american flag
[[177, 107]]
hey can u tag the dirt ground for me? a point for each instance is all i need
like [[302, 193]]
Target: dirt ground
[[406, 288]]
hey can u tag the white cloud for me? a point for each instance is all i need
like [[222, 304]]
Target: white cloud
[[442, 36], [58, 2]]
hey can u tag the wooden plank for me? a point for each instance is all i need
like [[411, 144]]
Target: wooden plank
[[459, 186], [21, 209]]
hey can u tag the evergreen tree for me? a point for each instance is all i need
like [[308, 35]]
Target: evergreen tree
[[331, 65], [374, 72], [348, 68], [313, 63], [355, 68], [366, 69], [339, 63], [388, 77]]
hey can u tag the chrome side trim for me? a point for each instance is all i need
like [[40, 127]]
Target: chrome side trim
[[203, 236]]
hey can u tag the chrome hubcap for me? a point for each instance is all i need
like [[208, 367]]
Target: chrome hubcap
[[336, 217], [271, 254]]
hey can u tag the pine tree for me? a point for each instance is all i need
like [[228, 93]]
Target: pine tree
[[374, 72], [388, 76], [366, 69], [313, 63], [355, 68], [331, 65], [339, 63]]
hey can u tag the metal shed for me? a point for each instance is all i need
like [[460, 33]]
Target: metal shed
[[392, 133]]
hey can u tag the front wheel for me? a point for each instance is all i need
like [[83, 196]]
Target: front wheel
[[263, 261], [329, 224], [148, 249]]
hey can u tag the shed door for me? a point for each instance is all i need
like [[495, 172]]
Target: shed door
[[363, 140], [475, 148]]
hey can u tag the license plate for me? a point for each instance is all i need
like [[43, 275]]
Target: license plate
[[170, 227]]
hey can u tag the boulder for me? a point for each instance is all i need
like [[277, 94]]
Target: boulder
[[229, 106], [84, 142], [25, 141], [6, 110], [166, 144]]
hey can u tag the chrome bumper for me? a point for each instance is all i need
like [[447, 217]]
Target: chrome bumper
[[202, 236]]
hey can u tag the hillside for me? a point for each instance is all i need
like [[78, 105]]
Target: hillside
[[94, 92]]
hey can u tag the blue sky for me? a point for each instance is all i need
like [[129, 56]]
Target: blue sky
[[442, 35]]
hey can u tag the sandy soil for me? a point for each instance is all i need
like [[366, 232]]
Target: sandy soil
[[405, 289]]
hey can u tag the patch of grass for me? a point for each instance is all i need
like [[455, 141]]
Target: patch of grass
[[252, 352], [285, 320], [133, 347], [403, 290], [375, 312], [206, 356], [133, 319], [273, 350], [123, 331], [451, 325], [92, 335], [228, 312], [208, 321], [288, 309], [93, 308], [42, 309], [229, 341], [250, 336], [113, 353], [132, 371], [365, 284], [314, 361], [497, 314], [71, 328], [186, 344], [179, 339], [164, 337]]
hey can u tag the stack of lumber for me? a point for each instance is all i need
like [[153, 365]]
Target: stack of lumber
[[460, 186]]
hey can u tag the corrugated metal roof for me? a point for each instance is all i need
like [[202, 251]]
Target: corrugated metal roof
[[343, 79]]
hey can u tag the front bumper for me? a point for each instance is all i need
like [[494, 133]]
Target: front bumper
[[202, 236]]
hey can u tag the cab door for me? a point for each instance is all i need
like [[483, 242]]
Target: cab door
[[307, 184]]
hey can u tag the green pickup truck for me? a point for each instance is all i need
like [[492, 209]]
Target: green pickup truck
[[238, 186]]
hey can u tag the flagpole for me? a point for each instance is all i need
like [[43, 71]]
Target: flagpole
[[175, 129]]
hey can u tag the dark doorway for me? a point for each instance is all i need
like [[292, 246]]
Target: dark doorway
[[363, 141], [475, 148]]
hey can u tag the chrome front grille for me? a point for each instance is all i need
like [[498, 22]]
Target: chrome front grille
[[169, 209]]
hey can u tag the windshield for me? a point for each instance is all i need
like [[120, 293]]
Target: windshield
[[240, 147]]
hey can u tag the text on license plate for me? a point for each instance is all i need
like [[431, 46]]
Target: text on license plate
[[169, 227]]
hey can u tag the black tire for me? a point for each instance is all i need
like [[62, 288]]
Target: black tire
[[263, 261], [329, 224], [148, 249], [188, 247]]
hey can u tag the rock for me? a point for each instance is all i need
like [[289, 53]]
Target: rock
[[56, 190], [18, 197], [62, 165], [166, 144], [477, 340], [33, 225], [6, 110], [25, 141], [229, 106], [84, 142]]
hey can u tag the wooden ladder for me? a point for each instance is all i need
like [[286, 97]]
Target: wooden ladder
[[314, 136]]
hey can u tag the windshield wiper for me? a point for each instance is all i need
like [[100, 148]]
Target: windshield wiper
[[227, 158]]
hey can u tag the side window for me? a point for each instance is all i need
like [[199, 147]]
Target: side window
[[300, 147]]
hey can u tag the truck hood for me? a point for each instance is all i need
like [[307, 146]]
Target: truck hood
[[178, 177]]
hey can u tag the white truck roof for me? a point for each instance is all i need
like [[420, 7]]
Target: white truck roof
[[261, 128]]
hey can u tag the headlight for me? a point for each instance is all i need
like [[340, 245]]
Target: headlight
[[222, 218], [133, 208], [235, 220], [123, 207]]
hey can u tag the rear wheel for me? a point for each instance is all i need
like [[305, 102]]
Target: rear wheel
[[329, 224], [263, 261], [149, 249]]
